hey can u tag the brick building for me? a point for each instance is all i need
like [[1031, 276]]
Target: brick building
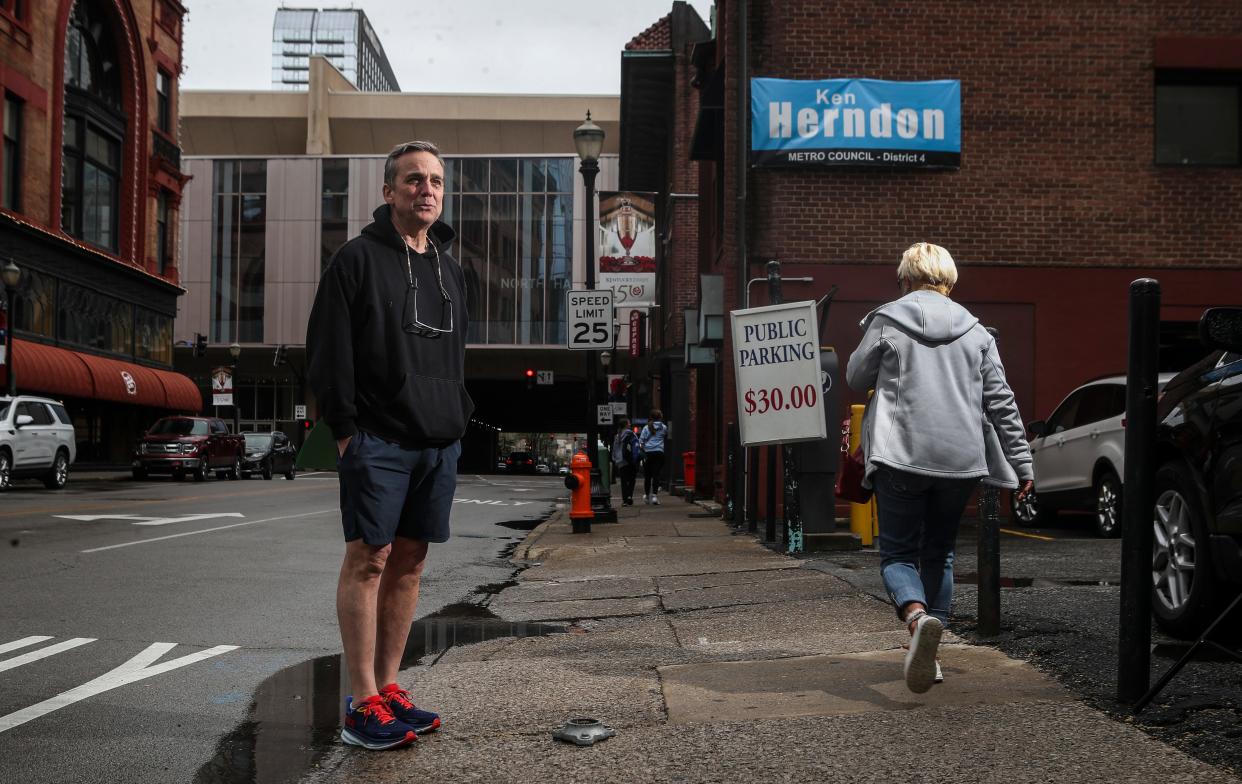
[[92, 181], [1099, 144]]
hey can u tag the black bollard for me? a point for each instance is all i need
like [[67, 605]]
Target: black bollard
[[1138, 493], [988, 554], [752, 489]]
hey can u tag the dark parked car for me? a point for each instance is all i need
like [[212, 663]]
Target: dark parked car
[[520, 463], [1197, 556], [268, 454]]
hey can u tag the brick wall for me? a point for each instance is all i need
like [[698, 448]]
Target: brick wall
[[1057, 176], [31, 52]]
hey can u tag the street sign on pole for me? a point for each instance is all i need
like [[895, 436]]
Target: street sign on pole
[[776, 359], [603, 414], [544, 377], [589, 316], [299, 412]]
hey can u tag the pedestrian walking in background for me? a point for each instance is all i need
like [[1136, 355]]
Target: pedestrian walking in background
[[940, 398], [651, 441], [386, 355], [625, 458]]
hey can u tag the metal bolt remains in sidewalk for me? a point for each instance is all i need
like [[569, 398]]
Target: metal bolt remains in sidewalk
[[584, 731]]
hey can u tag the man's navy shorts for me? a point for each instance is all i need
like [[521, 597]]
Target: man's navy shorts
[[388, 490]]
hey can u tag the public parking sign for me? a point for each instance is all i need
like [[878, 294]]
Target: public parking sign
[[776, 358], [589, 316]]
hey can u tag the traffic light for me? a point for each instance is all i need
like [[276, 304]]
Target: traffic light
[[200, 344], [530, 378], [279, 359], [307, 424]]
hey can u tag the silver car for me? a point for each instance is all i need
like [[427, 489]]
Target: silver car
[[36, 440], [1079, 456]]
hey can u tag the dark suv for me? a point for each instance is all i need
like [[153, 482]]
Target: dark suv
[[1197, 556], [520, 463]]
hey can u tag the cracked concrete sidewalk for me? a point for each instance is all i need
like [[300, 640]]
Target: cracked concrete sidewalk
[[718, 660]]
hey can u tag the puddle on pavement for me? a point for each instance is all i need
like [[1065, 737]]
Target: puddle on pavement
[[521, 525], [296, 713]]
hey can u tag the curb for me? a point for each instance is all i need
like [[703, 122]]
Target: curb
[[522, 553]]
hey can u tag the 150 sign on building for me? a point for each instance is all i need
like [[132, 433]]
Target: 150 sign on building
[[855, 122], [776, 363], [627, 246]]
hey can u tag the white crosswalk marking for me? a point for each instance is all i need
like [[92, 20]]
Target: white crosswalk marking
[[22, 643], [43, 653], [138, 668]]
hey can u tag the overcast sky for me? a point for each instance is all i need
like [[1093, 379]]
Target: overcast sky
[[469, 46]]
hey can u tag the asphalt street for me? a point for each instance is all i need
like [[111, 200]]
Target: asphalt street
[[140, 620], [1060, 609]]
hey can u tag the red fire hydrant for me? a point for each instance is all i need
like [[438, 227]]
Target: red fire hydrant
[[578, 480], [687, 463]]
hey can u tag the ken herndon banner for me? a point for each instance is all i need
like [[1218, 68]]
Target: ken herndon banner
[[855, 122]]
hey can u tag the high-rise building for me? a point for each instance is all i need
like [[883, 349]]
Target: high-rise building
[[344, 36]]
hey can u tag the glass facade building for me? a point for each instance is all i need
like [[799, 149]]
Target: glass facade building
[[344, 36]]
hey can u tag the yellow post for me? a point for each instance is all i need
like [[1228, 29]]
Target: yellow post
[[862, 516]]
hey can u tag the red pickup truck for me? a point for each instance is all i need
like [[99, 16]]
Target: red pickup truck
[[181, 445]]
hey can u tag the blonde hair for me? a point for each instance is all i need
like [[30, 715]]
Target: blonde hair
[[924, 265]]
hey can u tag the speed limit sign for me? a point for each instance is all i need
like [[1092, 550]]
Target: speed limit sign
[[589, 317]]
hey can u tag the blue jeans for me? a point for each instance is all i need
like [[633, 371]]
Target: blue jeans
[[919, 516]]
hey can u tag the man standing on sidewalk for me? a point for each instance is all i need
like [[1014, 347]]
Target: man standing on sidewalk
[[386, 360]]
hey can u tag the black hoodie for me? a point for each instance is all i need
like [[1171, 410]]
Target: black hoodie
[[367, 372]]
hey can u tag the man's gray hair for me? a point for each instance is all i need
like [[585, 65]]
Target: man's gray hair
[[405, 148]]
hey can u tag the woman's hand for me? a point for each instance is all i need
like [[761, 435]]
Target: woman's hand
[[1026, 487]]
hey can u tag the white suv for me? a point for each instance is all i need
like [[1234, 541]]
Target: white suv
[[1079, 456], [36, 440]]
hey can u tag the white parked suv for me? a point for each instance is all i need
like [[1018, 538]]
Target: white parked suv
[[1079, 456], [36, 440]]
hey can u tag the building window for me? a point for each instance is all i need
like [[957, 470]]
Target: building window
[[1197, 118], [334, 215], [514, 221], [163, 238], [92, 320], [93, 131], [168, 17], [12, 154], [163, 101], [35, 306], [239, 237], [152, 336]]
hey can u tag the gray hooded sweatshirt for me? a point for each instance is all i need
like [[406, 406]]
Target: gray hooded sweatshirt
[[942, 406]]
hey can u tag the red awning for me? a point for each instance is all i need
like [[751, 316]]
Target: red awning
[[64, 373]]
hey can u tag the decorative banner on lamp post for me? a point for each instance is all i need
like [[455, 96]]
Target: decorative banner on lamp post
[[855, 122], [627, 246], [222, 386]]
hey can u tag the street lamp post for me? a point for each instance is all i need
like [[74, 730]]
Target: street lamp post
[[235, 353], [12, 275], [589, 142]]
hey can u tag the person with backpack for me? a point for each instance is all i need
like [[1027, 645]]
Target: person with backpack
[[652, 441], [625, 458]]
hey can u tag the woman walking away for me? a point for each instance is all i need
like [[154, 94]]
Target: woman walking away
[[624, 450], [940, 398], [652, 443]]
